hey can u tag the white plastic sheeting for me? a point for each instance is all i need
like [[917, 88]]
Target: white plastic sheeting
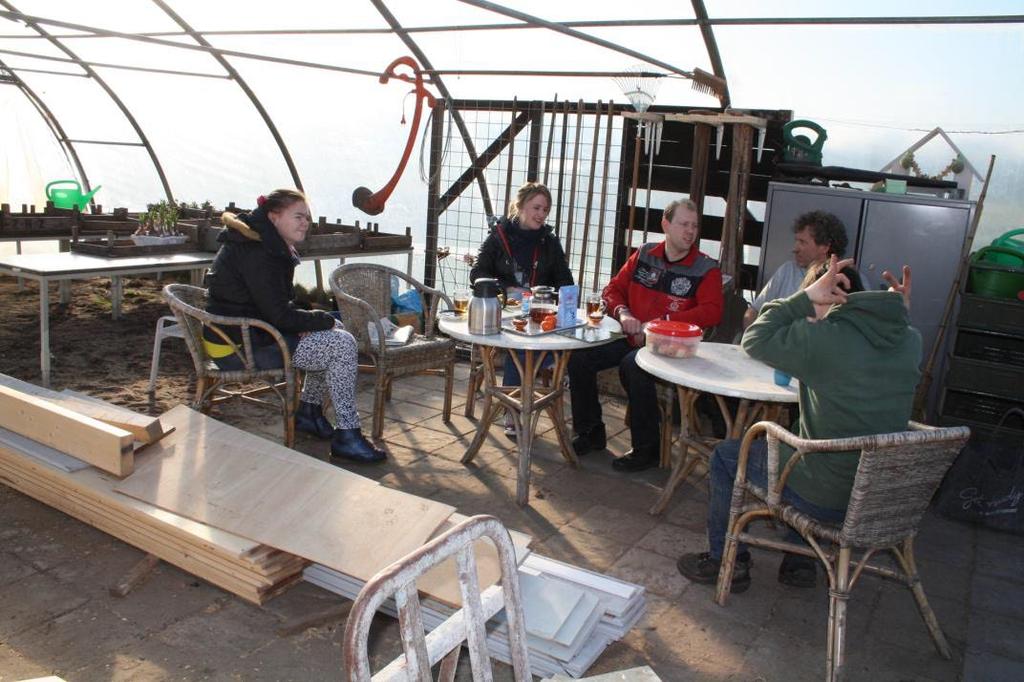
[[876, 88]]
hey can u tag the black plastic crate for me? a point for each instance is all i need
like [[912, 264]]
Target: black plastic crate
[[991, 314], [990, 347], [990, 378], [987, 433], [981, 408]]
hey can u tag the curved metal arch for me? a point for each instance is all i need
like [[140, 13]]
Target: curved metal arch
[[235, 76], [106, 88], [711, 45], [52, 123], [467, 139]]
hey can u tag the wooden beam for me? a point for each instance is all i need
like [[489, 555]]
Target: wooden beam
[[144, 428], [88, 439], [135, 577]]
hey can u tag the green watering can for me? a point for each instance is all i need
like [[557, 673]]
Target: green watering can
[[1014, 239], [1002, 279], [68, 194], [800, 148]]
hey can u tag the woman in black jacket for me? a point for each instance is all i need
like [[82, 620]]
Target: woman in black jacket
[[522, 252], [252, 276]]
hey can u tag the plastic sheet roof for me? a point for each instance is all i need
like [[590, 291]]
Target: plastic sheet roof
[[138, 87]]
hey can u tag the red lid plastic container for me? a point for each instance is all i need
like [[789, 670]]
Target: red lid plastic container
[[673, 339], [671, 328]]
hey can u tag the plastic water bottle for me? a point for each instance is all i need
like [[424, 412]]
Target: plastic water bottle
[[525, 304]]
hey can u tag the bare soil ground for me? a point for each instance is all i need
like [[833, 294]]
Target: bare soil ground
[[91, 352]]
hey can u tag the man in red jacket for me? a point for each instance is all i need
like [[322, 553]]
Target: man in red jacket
[[668, 280]]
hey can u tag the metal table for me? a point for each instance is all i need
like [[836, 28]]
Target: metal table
[[64, 267], [723, 370], [526, 402]]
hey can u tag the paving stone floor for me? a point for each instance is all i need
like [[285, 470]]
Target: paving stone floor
[[56, 616]]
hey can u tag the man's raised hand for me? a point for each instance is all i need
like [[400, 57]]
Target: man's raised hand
[[828, 289], [900, 287]]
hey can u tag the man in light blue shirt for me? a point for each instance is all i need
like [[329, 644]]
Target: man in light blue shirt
[[817, 235]]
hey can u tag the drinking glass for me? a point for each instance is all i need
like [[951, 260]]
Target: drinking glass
[[461, 300], [595, 307]]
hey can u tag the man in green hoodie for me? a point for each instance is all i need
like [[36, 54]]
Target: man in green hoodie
[[857, 360]]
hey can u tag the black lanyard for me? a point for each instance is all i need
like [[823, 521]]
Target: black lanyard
[[508, 250]]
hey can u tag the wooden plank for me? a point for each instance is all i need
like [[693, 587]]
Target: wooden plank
[[135, 577], [151, 538], [183, 559], [97, 486], [235, 576], [144, 428], [99, 444], [230, 479]]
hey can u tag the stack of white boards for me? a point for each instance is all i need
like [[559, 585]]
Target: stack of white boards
[[641, 674], [572, 614], [249, 569]]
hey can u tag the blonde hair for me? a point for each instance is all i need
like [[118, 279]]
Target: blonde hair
[[688, 204], [525, 193]]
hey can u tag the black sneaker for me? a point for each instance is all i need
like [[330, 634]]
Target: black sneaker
[[510, 427], [637, 460], [702, 569], [588, 441], [797, 570]]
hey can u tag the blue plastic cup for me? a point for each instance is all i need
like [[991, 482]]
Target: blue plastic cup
[[782, 379]]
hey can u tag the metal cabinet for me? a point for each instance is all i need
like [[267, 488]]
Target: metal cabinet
[[885, 231]]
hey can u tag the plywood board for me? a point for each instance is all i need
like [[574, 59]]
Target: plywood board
[[239, 578], [442, 581], [99, 444], [144, 428], [230, 479]]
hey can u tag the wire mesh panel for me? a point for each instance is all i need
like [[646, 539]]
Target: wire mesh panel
[[565, 145]]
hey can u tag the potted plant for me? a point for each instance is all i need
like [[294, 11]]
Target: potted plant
[[159, 225]]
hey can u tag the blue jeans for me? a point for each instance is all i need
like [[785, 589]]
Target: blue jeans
[[724, 462]]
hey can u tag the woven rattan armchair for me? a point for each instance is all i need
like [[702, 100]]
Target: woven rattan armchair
[[363, 292], [189, 306], [896, 478]]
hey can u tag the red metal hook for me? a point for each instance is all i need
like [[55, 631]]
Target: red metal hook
[[372, 203]]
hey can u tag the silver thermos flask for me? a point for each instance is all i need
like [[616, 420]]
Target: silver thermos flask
[[484, 308]]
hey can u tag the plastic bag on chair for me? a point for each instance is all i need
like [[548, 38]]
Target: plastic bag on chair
[[985, 485]]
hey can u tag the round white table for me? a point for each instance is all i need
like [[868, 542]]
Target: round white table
[[526, 402], [723, 370]]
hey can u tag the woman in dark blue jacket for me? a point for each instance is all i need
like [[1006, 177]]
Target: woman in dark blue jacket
[[252, 277], [522, 252]]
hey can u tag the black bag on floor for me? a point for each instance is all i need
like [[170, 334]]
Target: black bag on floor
[[985, 485]]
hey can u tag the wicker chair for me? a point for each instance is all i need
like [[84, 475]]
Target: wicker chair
[[896, 478], [393, 589], [363, 292], [189, 306]]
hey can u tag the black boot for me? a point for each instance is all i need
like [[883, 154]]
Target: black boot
[[590, 440], [637, 459], [310, 418], [352, 444]]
